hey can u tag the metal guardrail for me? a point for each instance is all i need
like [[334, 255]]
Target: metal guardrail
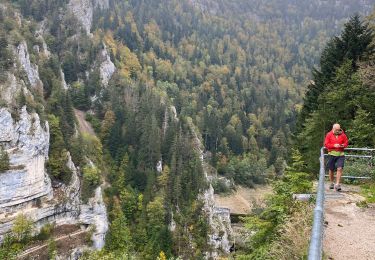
[[316, 245], [369, 157], [315, 250]]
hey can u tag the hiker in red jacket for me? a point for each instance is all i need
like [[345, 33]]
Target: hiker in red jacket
[[335, 142]]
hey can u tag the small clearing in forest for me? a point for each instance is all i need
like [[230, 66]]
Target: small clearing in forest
[[243, 200]]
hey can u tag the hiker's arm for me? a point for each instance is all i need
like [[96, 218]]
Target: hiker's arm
[[327, 143], [346, 141]]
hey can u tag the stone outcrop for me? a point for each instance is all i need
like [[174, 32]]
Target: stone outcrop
[[30, 69], [218, 218], [9, 90], [39, 35], [83, 10], [26, 187], [107, 68], [95, 213], [27, 143], [63, 82], [220, 225]]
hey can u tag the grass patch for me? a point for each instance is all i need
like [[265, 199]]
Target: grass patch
[[362, 204], [368, 191]]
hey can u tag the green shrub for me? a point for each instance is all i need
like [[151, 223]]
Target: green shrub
[[268, 225], [94, 121], [52, 249], [220, 186], [45, 232], [22, 229], [9, 248], [91, 179], [76, 152], [4, 160]]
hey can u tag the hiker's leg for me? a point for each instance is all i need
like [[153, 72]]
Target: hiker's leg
[[331, 167], [331, 177], [340, 168], [338, 175]]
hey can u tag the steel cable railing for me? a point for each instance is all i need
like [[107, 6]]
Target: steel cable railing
[[316, 241]]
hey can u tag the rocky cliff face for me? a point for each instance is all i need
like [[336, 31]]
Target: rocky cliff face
[[10, 89], [30, 69], [26, 142], [84, 10], [220, 224], [95, 213], [26, 187], [107, 68], [218, 218]]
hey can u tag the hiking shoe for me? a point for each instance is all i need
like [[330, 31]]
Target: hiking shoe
[[338, 187], [332, 186]]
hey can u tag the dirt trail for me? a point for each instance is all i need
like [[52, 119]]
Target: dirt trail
[[36, 248], [84, 126], [350, 232]]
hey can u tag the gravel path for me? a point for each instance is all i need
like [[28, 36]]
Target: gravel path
[[36, 248], [350, 230]]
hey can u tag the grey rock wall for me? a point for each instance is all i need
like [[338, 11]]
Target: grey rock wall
[[107, 68], [26, 187], [84, 10], [30, 69], [27, 143]]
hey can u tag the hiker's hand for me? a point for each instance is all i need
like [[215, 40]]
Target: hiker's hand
[[337, 145]]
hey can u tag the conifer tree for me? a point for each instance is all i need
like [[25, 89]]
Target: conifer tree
[[4, 160]]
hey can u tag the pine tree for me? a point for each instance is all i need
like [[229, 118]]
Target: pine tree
[[119, 238], [361, 132], [108, 122], [354, 45], [337, 91], [56, 164], [356, 40]]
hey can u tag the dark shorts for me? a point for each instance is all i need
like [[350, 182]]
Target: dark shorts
[[335, 162]]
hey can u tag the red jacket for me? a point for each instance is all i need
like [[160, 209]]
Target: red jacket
[[331, 140]]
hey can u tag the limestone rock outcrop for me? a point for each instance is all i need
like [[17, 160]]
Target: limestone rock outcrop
[[30, 69], [27, 143], [26, 187], [9, 89], [107, 68], [220, 225], [95, 213], [84, 11], [218, 218]]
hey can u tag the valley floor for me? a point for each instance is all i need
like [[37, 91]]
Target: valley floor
[[243, 200]]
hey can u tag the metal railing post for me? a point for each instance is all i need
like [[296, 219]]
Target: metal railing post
[[315, 250]]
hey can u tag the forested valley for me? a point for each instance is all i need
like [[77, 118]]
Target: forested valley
[[184, 97]]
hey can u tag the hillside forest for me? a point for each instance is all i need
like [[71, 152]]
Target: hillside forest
[[239, 90]]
